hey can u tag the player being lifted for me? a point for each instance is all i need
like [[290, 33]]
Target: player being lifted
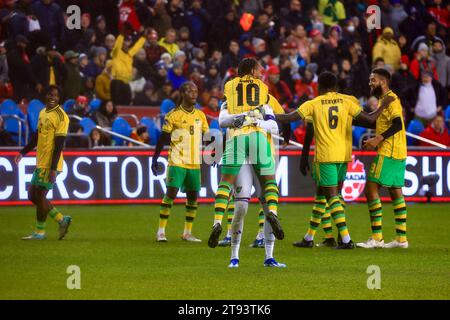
[[247, 143], [244, 181], [388, 167], [51, 134], [329, 112], [183, 128]]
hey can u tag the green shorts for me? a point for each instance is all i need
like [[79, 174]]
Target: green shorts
[[255, 147], [387, 172], [40, 178], [329, 174], [184, 179]]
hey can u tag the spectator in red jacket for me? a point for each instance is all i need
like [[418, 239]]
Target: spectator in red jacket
[[436, 131], [422, 62], [278, 88], [212, 110]]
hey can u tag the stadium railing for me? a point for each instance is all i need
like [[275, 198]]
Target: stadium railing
[[21, 124]]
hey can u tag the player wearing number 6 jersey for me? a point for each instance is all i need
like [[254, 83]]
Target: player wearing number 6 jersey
[[329, 112]]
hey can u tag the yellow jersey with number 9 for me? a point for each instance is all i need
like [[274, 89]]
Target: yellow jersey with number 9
[[244, 94], [330, 114]]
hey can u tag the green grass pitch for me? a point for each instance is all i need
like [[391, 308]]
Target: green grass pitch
[[115, 248]]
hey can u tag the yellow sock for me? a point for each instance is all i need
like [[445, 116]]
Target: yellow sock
[[56, 215]]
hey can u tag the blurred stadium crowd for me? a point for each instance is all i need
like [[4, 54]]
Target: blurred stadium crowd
[[138, 52]]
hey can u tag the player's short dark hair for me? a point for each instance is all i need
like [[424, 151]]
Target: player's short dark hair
[[327, 81], [54, 87], [246, 66], [382, 73]]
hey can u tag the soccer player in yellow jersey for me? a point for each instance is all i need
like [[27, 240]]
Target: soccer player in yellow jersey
[[388, 167], [183, 128], [244, 182], [51, 133], [247, 142], [329, 112]]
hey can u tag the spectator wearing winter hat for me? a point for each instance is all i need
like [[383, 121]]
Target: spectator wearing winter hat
[[152, 49], [428, 38], [168, 42], [72, 77], [100, 30], [160, 76], [80, 109], [175, 75], [122, 69], [436, 131], [422, 62], [278, 88], [442, 64], [167, 59], [110, 41], [428, 98], [212, 78], [184, 43], [103, 83], [148, 97], [180, 57], [97, 64], [83, 62], [141, 63], [198, 63], [387, 48]]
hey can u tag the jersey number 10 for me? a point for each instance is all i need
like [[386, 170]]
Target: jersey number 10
[[251, 94]]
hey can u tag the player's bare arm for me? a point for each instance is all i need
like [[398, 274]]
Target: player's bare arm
[[163, 140], [288, 117], [304, 163]]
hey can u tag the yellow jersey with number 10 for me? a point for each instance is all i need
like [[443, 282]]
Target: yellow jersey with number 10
[[244, 94], [330, 114]]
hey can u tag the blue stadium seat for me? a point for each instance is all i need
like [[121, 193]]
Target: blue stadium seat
[[95, 105], [295, 125], [214, 125], [447, 116], [68, 105], [357, 132], [153, 130], [415, 127], [34, 108], [88, 124], [9, 107], [121, 126], [166, 106]]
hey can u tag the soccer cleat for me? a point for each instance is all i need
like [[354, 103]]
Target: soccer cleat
[[213, 240], [226, 242], [273, 263], [329, 242], [348, 245], [258, 243], [275, 224], [371, 243], [190, 238], [35, 236], [396, 244], [234, 263], [304, 243], [161, 237], [64, 226]]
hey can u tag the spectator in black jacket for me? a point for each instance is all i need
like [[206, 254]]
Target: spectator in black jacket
[[175, 11], [225, 29], [231, 58], [51, 20], [402, 82], [19, 67]]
